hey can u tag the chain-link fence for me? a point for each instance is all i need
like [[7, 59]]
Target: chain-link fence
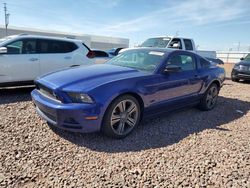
[[231, 57]]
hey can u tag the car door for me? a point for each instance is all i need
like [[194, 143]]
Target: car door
[[21, 62], [55, 55], [180, 88]]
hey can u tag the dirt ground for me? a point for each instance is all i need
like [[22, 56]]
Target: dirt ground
[[189, 148]]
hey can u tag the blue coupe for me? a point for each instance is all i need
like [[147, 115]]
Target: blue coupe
[[113, 97]]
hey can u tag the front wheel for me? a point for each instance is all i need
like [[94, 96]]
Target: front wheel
[[209, 99], [235, 79], [121, 117]]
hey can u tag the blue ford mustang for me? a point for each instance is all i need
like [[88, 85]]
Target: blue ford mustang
[[113, 97]]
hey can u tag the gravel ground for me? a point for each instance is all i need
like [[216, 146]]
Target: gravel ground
[[188, 148]]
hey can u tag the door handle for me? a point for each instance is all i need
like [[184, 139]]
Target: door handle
[[33, 59], [67, 57], [74, 65]]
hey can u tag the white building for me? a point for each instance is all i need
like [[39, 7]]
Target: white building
[[93, 41]]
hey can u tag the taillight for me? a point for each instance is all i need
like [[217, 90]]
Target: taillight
[[91, 54]]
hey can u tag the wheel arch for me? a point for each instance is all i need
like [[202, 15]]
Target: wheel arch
[[138, 98], [135, 95], [209, 83], [217, 82]]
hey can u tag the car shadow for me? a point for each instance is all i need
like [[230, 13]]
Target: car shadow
[[14, 95], [163, 130]]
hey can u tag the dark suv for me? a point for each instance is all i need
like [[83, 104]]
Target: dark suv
[[241, 70]]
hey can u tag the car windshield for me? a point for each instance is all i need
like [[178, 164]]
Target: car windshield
[[247, 58], [139, 60], [7, 38], [160, 42], [3, 39]]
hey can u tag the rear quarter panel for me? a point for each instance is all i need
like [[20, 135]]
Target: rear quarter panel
[[210, 75]]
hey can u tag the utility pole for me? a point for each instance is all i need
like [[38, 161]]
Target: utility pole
[[6, 16], [228, 54], [239, 46]]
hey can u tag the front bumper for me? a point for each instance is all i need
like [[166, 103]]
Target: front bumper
[[70, 117], [241, 75]]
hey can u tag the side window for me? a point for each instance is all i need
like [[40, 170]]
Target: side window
[[22, 47], [15, 47], [186, 62], [43, 46], [188, 44], [29, 47], [100, 53], [175, 42], [61, 47], [69, 47], [204, 63], [54, 46]]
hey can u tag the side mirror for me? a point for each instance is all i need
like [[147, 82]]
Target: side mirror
[[242, 58], [172, 68], [3, 50]]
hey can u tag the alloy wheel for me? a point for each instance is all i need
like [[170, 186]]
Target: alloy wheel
[[212, 96], [124, 117]]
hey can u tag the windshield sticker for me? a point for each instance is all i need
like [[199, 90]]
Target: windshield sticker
[[156, 53]]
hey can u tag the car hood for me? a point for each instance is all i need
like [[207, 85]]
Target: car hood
[[85, 78], [245, 63]]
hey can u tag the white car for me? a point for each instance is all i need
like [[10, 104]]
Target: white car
[[25, 57]]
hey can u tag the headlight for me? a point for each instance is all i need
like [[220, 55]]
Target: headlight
[[237, 67], [80, 98], [244, 68]]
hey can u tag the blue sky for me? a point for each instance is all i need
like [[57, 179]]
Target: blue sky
[[214, 25]]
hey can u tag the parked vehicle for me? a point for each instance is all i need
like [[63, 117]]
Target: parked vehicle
[[241, 70], [177, 43], [112, 97], [114, 51], [24, 57], [100, 56]]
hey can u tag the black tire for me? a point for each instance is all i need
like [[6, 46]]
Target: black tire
[[235, 79], [121, 117], [209, 100]]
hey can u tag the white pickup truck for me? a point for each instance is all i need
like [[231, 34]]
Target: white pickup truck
[[178, 43]]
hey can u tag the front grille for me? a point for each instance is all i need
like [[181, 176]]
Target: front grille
[[46, 91]]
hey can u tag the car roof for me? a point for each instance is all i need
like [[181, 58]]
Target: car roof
[[170, 37], [165, 50], [23, 36]]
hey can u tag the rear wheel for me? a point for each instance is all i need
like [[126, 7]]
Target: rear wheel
[[121, 117], [209, 99]]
